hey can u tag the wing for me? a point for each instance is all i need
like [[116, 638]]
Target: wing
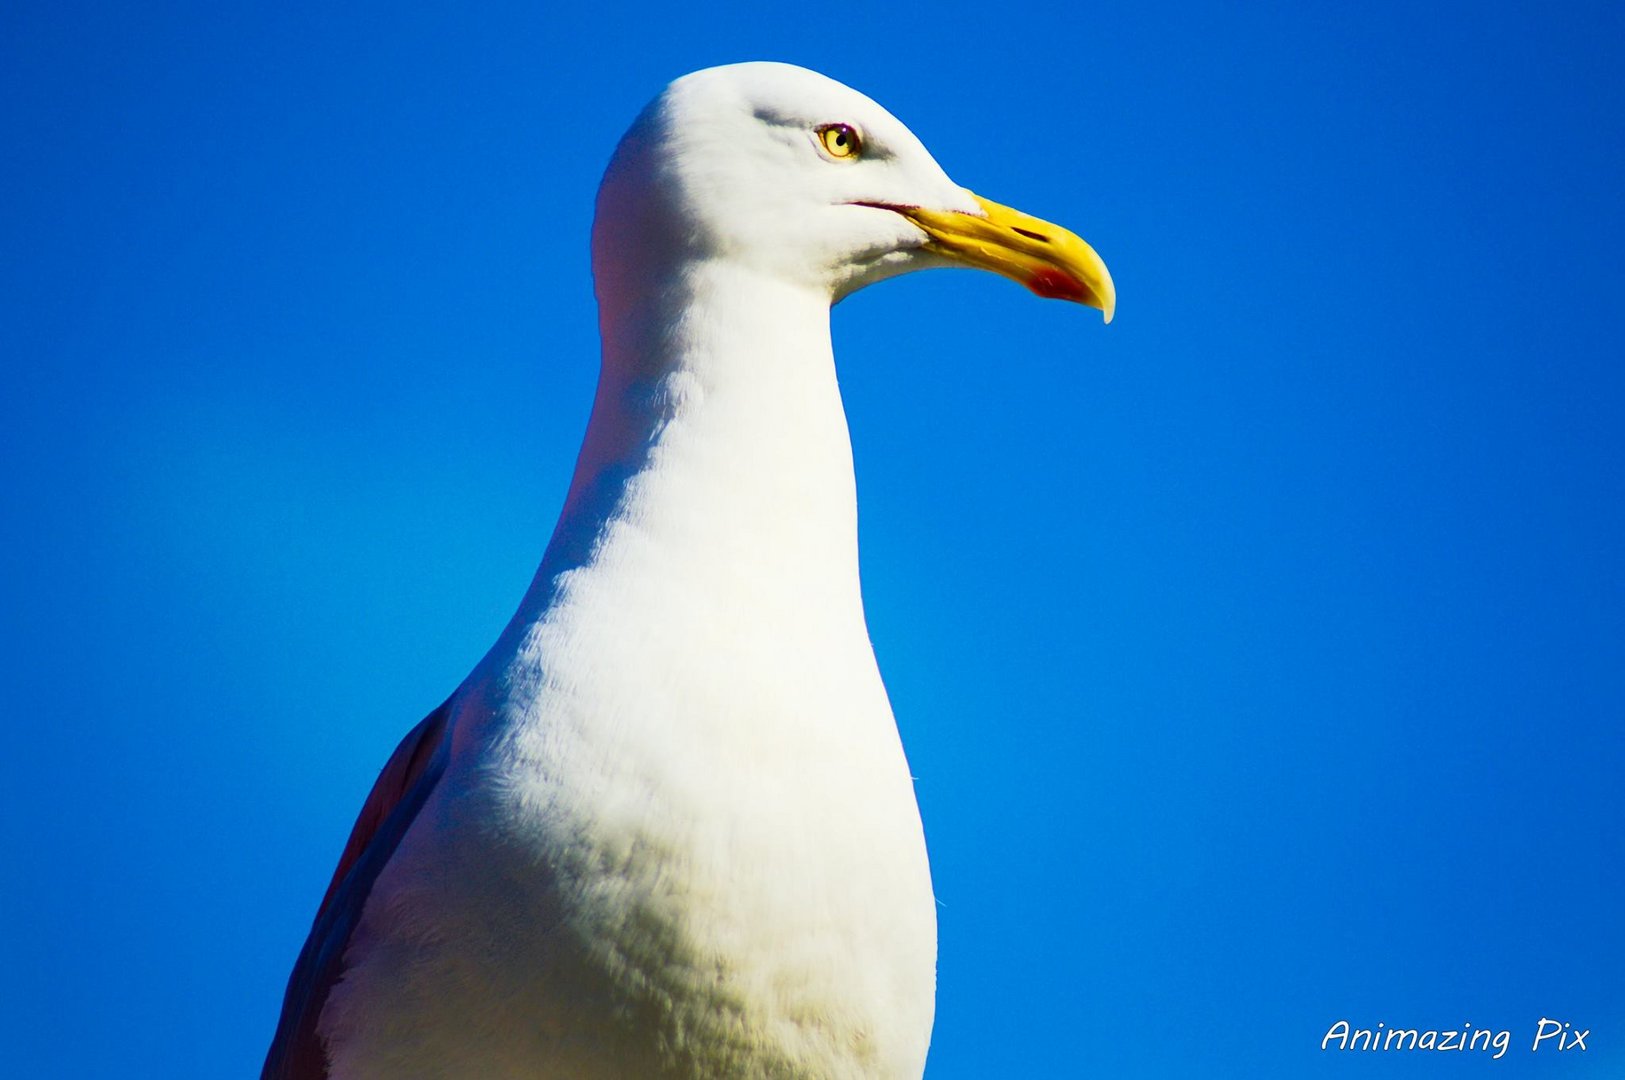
[[405, 782]]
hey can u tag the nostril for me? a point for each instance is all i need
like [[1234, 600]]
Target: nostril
[[1029, 234]]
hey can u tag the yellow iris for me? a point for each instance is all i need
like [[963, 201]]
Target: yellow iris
[[840, 140]]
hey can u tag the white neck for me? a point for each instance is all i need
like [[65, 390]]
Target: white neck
[[718, 431], [687, 706]]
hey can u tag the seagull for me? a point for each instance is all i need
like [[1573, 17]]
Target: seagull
[[665, 828]]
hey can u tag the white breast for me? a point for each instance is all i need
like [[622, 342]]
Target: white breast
[[677, 836]]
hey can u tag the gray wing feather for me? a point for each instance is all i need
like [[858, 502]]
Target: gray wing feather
[[402, 787]]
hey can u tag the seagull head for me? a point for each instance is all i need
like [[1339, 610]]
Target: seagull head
[[794, 175]]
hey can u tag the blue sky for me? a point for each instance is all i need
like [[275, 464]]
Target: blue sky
[[1261, 656]]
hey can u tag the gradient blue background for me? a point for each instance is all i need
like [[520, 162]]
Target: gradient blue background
[[1261, 656]]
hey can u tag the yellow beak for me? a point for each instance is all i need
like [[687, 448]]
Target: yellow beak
[[1046, 258]]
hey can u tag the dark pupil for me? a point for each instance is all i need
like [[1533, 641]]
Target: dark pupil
[[840, 137]]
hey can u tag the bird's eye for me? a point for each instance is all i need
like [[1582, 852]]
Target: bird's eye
[[840, 140]]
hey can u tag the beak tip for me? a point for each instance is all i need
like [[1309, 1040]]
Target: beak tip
[[1106, 297]]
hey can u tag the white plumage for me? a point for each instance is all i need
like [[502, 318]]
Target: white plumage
[[666, 827]]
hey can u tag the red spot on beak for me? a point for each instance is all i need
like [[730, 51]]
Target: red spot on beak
[[1054, 284]]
